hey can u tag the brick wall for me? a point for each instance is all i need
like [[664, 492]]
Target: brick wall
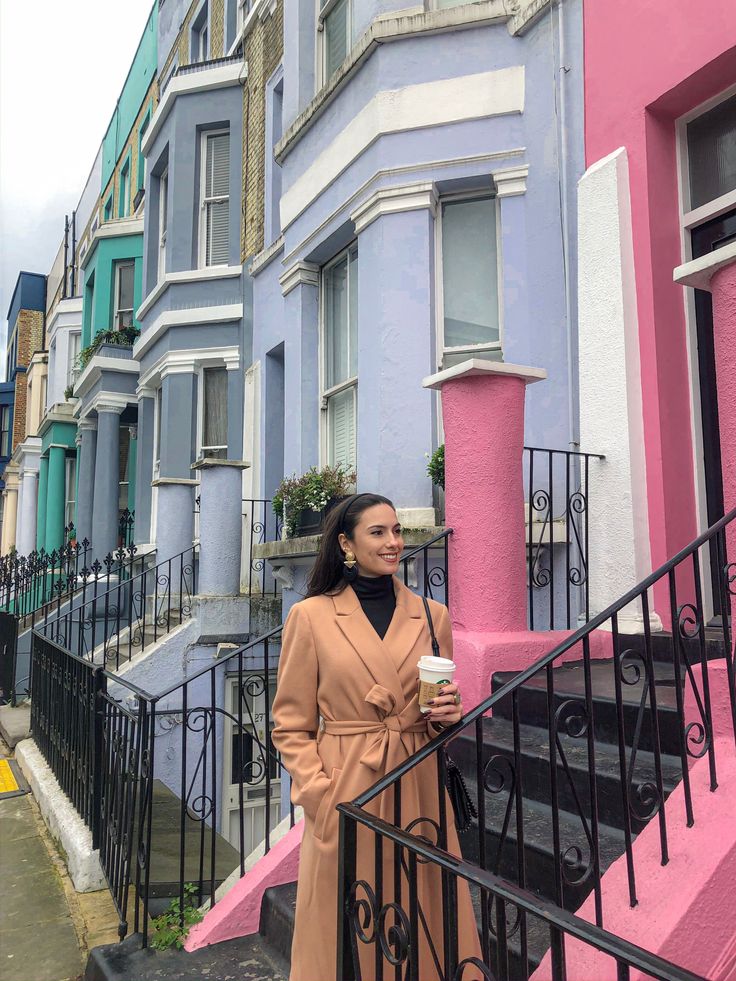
[[30, 340], [217, 29], [263, 51]]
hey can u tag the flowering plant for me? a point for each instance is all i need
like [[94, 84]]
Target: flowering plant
[[436, 466], [312, 491]]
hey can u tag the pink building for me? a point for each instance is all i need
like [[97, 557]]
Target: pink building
[[657, 217]]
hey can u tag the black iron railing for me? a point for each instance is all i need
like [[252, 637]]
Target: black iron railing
[[201, 66], [126, 528], [643, 702], [119, 614], [557, 539], [424, 568], [27, 582], [260, 525]]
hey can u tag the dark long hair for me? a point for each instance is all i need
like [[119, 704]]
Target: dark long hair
[[326, 575]]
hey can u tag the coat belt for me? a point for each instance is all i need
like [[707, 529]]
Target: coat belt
[[382, 753]]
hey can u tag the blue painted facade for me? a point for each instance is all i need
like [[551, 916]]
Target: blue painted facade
[[29, 294], [352, 141]]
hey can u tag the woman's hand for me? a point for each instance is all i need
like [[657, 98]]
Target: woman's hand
[[446, 708]]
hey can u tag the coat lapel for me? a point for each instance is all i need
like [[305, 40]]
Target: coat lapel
[[369, 647], [407, 624]]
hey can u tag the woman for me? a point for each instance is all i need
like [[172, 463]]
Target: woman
[[346, 713]]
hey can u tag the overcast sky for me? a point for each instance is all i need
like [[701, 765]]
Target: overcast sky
[[62, 65]]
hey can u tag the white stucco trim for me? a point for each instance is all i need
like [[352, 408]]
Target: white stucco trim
[[218, 77], [192, 316], [390, 200], [117, 228], [479, 160], [300, 274], [611, 413], [510, 181], [206, 274], [479, 366], [420, 106], [187, 361], [699, 272], [259, 262], [99, 363], [530, 12], [105, 402]]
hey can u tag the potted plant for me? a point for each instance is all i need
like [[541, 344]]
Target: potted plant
[[302, 502], [436, 467]]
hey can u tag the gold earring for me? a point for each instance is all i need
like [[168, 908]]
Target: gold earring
[[350, 559]]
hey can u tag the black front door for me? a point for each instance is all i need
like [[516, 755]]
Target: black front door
[[706, 238]]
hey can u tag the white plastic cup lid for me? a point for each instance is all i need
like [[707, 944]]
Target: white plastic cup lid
[[436, 663]]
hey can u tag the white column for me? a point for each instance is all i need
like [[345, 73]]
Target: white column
[[611, 419], [29, 506]]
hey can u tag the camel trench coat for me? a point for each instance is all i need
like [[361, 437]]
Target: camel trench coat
[[346, 713]]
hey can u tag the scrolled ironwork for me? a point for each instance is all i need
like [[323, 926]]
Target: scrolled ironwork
[[689, 621], [395, 939], [477, 965], [362, 912]]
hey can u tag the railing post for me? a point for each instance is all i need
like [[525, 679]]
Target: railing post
[[99, 686], [347, 869]]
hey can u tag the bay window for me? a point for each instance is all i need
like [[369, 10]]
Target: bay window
[[70, 496], [163, 221], [5, 430], [213, 426], [340, 358], [215, 199], [123, 296], [72, 368], [468, 284]]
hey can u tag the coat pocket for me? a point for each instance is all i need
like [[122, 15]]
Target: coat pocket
[[326, 805]]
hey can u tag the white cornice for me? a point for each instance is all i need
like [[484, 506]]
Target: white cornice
[[479, 366], [511, 180], [300, 274], [390, 200], [186, 276], [259, 262], [118, 228], [191, 317], [217, 77], [68, 307], [106, 402], [97, 364], [188, 361], [699, 272]]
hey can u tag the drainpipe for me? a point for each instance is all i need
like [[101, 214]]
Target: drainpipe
[[66, 255], [562, 164], [74, 253]]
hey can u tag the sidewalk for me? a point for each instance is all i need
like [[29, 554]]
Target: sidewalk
[[46, 928]]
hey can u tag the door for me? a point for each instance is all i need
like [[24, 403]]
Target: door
[[706, 238], [245, 758]]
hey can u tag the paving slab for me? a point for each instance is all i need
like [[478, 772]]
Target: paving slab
[[38, 939]]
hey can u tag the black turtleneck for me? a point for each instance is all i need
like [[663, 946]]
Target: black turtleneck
[[378, 599]]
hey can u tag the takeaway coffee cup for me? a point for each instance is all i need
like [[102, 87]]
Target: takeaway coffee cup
[[434, 672]]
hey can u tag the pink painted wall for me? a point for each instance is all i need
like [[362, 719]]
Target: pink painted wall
[[645, 65], [723, 287]]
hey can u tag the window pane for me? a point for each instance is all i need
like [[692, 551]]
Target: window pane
[[218, 165], [711, 145], [126, 275], [469, 272], [353, 312], [214, 427], [336, 323], [341, 428], [336, 37], [218, 233]]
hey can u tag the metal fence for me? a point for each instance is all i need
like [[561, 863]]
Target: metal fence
[[609, 747]]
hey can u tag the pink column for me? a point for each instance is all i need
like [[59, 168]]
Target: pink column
[[723, 288], [483, 418]]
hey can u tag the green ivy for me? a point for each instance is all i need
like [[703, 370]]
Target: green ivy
[[313, 490], [167, 928], [436, 466]]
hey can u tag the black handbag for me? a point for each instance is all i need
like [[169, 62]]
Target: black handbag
[[462, 803]]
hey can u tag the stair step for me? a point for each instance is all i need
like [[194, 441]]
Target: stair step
[[537, 942], [278, 909], [498, 740], [569, 685], [539, 859]]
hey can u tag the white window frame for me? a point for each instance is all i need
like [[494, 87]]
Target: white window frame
[[201, 33], [116, 294], [124, 190], [200, 408], [72, 369], [472, 349], [70, 463], [163, 221], [203, 201], [5, 442], [350, 383], [323, 12]]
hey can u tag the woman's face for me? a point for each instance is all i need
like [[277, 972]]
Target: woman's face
[[377, 542]]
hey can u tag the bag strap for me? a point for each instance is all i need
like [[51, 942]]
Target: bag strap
[[435, 645]]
